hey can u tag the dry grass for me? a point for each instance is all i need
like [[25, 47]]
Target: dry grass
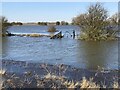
[[84, 83], [115, 84], [72, 84], [32, 35], [1, 83], [55, 81], [52, 80], [2, 71], [89, 83], [54, 77], [63, 81]]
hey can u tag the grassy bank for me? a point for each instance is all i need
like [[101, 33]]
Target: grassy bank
[[21, 74]]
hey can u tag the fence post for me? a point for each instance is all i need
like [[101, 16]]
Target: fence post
[[73, 34]]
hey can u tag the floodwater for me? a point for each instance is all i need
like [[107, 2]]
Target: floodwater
[[77, 53]]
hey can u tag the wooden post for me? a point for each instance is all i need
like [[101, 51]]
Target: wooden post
[[73, 34]]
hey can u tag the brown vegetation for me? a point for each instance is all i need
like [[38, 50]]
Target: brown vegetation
[[93, 24], [52, 29], [33, 78]]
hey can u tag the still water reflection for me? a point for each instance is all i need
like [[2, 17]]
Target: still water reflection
[[103, 54]]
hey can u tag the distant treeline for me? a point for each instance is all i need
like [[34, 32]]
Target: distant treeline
[[54, 23], [16, 23], [39, 23], [12, 23]]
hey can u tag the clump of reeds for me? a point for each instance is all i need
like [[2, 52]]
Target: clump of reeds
[[52, 29]]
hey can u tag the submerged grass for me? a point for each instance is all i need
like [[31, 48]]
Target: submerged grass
[[30, 35], [86, 37]]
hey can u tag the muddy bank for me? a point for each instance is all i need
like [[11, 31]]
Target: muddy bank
[[21, 74]]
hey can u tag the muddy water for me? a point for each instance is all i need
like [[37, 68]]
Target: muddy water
[[82, 54]]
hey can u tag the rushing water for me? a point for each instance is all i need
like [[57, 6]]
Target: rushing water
[[82, 54]]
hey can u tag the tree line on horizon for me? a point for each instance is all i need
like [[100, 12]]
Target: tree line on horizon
[[54, 23], [39, 23]]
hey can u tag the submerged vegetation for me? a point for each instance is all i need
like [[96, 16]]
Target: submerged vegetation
[[31, 35], [52, 29], [94, 24]]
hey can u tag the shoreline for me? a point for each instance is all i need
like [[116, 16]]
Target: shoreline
[[22, 74]]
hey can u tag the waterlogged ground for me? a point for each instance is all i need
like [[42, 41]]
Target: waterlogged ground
[[44, 62], [82, 54]]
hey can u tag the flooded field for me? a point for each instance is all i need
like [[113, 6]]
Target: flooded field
[[69, 51]]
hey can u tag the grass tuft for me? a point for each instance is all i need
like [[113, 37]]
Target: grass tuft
[[2, 71], [89, 83], [52, 29]]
